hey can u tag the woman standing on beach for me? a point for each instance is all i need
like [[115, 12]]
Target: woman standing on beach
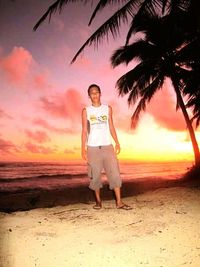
[[97, 149]]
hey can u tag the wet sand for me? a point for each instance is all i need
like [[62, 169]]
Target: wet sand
[[40, 193]]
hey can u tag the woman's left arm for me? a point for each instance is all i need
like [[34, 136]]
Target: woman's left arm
[[113, 131]]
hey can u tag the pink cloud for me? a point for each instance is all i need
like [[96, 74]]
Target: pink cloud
[[43, 123], [40, 81], [38, 136], [8, 147], [121, 119], [163, 109], [16, 65], [20, 69], [3, 114], [33, 148], [68, 105]]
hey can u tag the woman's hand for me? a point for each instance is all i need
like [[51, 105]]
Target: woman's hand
[[84, 154], [117, 148]]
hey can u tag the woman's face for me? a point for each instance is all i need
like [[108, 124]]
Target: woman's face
[[94, 94]]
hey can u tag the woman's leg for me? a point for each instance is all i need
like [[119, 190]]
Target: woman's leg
[[94, 172], [97, 196], [119, 202], [111, 167]]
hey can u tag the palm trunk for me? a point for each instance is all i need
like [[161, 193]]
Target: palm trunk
[[188, 123]]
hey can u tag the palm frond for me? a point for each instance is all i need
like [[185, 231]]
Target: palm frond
[[194, 103], [164, 6], [141, 49], [101, 4], [111, 25], [192, 91], [146, 98], [57, 5], [189, 52], [176, 5], [168, 32], [192, 83], [139, 77], [127, 82], [141, 18]]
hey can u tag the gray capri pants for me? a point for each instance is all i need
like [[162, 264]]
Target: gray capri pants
[[99, 158]]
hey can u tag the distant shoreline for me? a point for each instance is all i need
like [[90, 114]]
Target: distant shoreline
[[31, 198], [81, 162]]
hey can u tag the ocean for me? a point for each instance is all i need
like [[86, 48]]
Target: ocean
[[15, 175]]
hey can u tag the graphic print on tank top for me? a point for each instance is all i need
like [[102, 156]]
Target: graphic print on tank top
[[98, 120], [99, 133]]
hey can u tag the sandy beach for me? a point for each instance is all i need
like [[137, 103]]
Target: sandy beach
[[162, 230]]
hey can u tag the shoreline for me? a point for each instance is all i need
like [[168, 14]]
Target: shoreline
[[41, 197]]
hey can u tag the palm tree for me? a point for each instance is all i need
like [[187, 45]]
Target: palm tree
[[128, 10], [161, 52], [161, 55]]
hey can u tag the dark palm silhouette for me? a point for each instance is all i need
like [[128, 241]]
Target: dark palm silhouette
[[194, 103], [128, 10], [192, 88], [163, 52]]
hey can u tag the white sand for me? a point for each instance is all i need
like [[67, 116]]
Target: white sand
[[163, 229]]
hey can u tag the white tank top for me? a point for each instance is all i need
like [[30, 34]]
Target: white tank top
[[99, 132]]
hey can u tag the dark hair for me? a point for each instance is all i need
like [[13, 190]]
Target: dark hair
[[94, 85]]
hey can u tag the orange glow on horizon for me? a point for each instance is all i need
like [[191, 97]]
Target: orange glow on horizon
[[148, 143]]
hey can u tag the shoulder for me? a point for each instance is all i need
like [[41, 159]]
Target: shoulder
[[107, 106], [86, 108]]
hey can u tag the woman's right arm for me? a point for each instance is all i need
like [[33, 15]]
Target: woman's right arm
[[84, 135]]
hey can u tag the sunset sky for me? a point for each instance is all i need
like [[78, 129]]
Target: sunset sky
[[42, 95]]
